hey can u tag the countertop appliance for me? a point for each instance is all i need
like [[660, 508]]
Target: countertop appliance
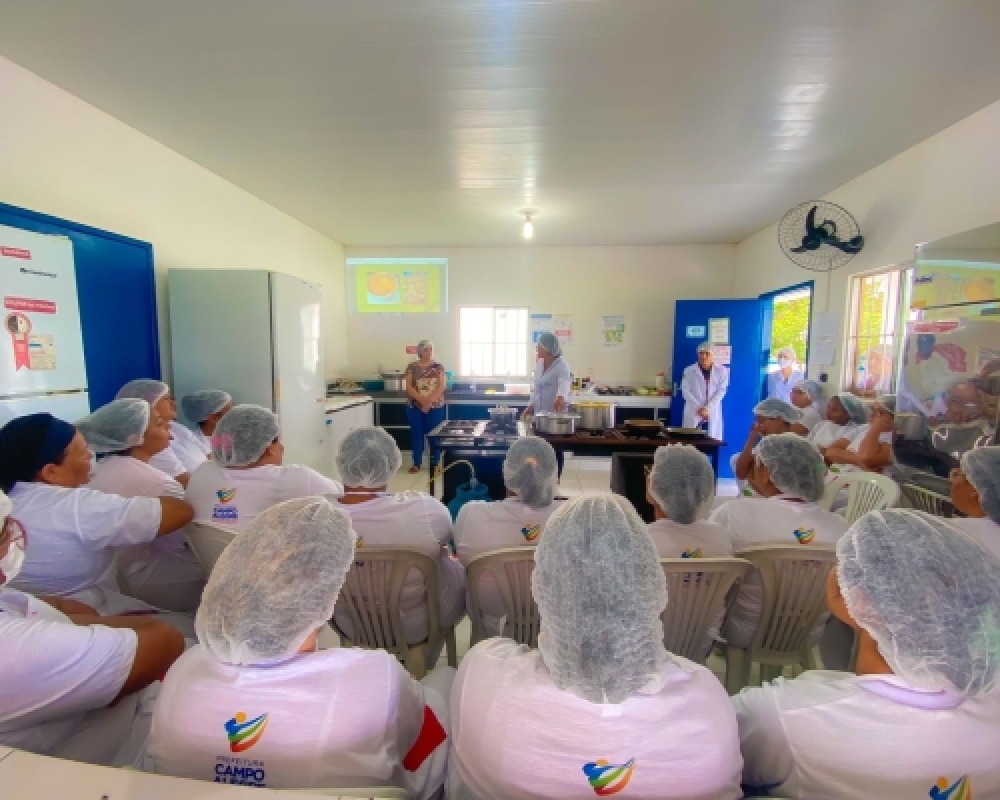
[[42, 366], [483, 444], [257, 335]]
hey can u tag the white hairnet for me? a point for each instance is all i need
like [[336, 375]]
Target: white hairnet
[[600, 592], [242, 436], [199, 406], [423, 344], [550, 343], [855, 408], [705, 347], [776, 408], [276, 583], [531, 471], [796, 466], [788, 352], [144, 389], [982, 467], [928, 594], [118, 426], [682, 482], [811, 388], [368, 458]]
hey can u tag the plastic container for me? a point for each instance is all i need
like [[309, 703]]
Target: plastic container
[[660, 380]]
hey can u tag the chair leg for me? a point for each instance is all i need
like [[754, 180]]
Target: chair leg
[[737, 669], [769, 672], [452, 645], [416, 661]]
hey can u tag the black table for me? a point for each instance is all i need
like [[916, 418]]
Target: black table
[[616, 441]]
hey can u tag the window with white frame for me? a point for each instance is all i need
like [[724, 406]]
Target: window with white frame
[[879, 308], [493, 341]]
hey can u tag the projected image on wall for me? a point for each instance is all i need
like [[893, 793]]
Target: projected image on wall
[[398, 285]]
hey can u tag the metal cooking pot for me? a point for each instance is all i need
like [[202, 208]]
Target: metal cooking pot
[[595, 416], [394, 380], [555, 423]]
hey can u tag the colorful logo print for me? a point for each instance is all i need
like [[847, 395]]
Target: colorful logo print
[[959, 790], [805, 536], [689, 553], [226, 495], [531, 532], [607, 779], [244, 733]]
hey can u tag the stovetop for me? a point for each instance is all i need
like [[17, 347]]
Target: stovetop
[[476, 433], [618, 433]]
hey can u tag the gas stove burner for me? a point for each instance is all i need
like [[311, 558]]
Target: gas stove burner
[[472, 433], [493, 428]]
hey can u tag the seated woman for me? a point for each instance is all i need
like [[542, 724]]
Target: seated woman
[[870, 446], [75, 531], [601, 705], [921, 718], [367, 460], [844, 414], [807, 397], [74, 684], [183, 456], [788, 475], [975, 491], [770, 416], [205, 409], [246, 475], [125, 435], [343, 717]]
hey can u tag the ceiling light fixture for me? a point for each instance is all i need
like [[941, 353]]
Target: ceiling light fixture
[[528, 229]]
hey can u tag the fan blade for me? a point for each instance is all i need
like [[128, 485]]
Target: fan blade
[[811, 221], [844, 247]]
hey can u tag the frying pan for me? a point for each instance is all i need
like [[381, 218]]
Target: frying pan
[[687, 433], [643, 427]]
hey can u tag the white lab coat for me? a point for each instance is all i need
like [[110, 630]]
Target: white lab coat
[[482, 527], [698, 395], [844, 737], [548, 384], [58, 681], [982, 529], [344, 717], [516, 735]]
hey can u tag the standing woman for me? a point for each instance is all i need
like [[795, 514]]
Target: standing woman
[[552, 381], [425, 383], [704, 385], [781, 382]]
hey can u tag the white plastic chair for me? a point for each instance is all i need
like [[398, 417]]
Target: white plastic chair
[[794, 595], [370, 598], [511, 570], [925, 500], [866, 491], [208, 540], [696, 597]]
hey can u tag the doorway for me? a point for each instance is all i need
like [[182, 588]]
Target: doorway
[[785, 318]]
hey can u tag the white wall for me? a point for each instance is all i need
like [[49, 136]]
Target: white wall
[[641, 282], [61, 156], [945, 185]]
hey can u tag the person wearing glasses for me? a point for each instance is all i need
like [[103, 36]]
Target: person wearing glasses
[[703, 386], [975, 491], [74, 684]]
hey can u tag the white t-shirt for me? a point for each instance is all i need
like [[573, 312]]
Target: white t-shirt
[[420, 522], [190, 447], [57, 681], [753, 521], [515, 735], [482, 527], [837, 735], [167, 461], [982, 529], [856, 438], [827, 432], [344, 717], [235, 497], [700, 539], [810, 417]]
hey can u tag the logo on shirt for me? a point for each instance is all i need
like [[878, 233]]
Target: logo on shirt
[[689, 553], [606, 779], [244, 733], [531, 532], [959, 790], [805, 535], [226, 495]]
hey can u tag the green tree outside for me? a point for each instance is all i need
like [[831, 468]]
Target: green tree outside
[[790, 327]]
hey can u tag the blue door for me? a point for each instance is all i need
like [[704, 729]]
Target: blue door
[[691, 325]]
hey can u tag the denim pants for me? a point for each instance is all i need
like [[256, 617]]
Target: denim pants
[[422, 423]]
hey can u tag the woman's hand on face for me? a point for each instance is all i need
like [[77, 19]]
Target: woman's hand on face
[[882, 422]]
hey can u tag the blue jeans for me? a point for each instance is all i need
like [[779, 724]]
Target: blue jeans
[[422, 423]]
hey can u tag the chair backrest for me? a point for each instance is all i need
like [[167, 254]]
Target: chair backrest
[[925, 500], [866, 491], [696, 597], [371, 595], [511, 570], [794, 583], [208, 540]]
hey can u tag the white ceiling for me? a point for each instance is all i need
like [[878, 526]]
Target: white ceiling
[[431, 122]]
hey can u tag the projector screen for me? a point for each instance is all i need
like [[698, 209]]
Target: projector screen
[[398, 285]]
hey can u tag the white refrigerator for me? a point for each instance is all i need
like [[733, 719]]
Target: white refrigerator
[[42, 366], [257, 335]]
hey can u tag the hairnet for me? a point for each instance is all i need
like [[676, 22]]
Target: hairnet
[[928, 594], [888, 402], [705, 347], [144, 389], [199, 406], [423, 344], [811, 388], [530, 469], [119, 425], [30, 442], [550, 343], [788, 352], [242, 436], [796, 466], [600, 592], [682, 482], [776, 408], [276, 582], [982, 467], [855, 408], [368, 458]]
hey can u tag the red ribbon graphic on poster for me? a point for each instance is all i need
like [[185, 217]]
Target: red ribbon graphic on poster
[[19, 326]]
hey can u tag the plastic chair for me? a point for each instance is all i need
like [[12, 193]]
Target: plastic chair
[[375, 793], [696, 597], [511, 569], [925, 500], [208, 540], [866, 491], [370, 598], [794, 595]]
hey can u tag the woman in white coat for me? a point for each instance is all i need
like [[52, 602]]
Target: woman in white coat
[[975, 491], [921, 718], [704, 385], [552, 381]]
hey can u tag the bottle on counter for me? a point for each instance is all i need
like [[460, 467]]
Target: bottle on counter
[[660, 380]]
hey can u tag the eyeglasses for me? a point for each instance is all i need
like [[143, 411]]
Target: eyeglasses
[[13, 533]]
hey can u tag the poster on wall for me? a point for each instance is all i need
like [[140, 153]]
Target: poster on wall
[[559, 324], [722, 354], [613, 330], [718, 330], [823, 342], [948, 282]]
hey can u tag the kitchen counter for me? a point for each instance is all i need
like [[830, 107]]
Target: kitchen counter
[[341, 401], [501, 398]]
